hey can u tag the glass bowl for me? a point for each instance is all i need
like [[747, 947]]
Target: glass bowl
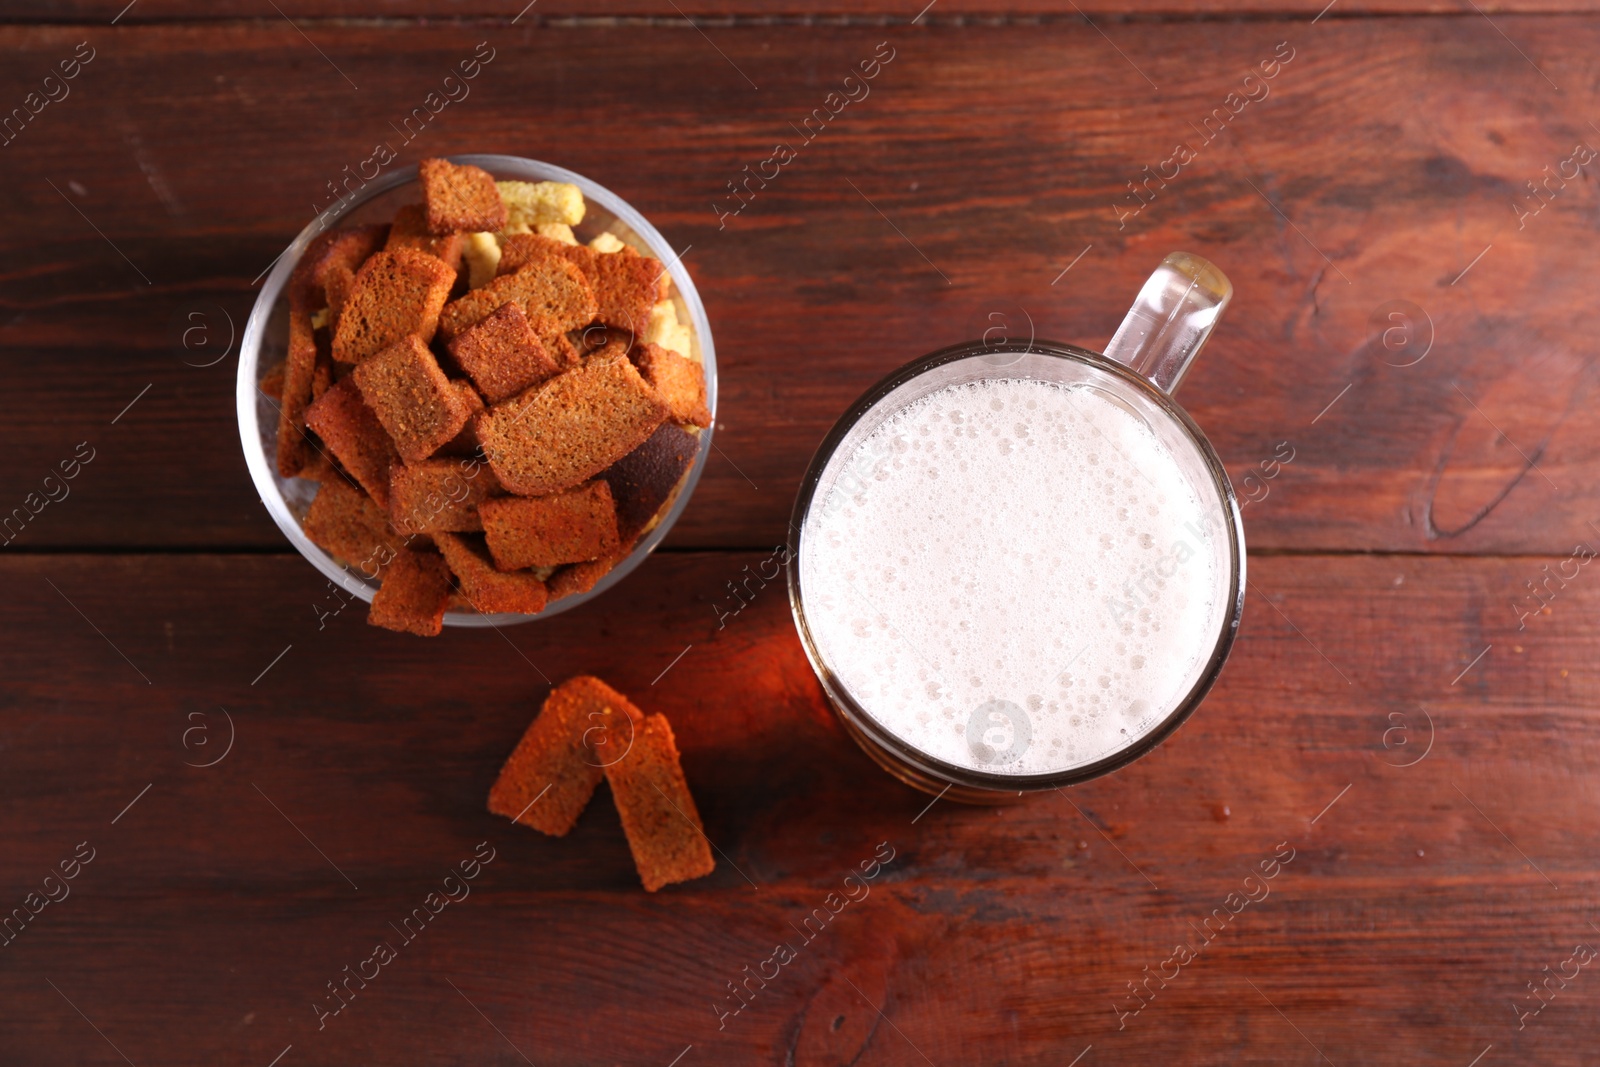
[[266, 341]]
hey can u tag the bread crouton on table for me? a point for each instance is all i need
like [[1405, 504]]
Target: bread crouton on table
[[464, 443], [578, 578], [333, 256], [658, 814], [549, 777], [271, 383], [299, 367], [626, 284]]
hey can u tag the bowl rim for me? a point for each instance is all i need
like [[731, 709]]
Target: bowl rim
[[263, 473]]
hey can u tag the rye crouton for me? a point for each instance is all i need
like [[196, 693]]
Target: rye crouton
[[551, 774], [299, 369], [271, 383], [414, 594], [643, 480], [417, 404], [410, 230], [502, 355], [351, 526], [626, 284], [520, 250], [354, 435], [465, 443], [570, 428], [459, 198], [557, 342], [550, 289], [570, 527], [582, 577], [679, 382], [658, 814], [486, 588], [439, 494], [324, 373], [334, 255], [397, 293]]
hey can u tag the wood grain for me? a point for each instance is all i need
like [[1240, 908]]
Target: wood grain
[[722, 11], [1395, 147], [1415, 909]]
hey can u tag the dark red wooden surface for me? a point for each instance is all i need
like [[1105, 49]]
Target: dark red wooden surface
[[1427, 749]]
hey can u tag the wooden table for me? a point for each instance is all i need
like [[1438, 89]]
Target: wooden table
[[1411, 708]]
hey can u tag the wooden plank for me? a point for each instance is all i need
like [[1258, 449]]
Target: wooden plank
[[1396, 148], [1415, 909], [145, 11]]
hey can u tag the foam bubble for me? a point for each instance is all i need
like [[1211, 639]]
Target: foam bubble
[[1019, 578]]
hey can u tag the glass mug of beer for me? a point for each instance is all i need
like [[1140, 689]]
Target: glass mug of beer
[[1020, 565]]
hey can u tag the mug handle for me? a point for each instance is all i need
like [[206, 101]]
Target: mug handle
[[1171, 319]]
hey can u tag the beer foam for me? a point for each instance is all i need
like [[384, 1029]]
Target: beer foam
[[1014, 576]]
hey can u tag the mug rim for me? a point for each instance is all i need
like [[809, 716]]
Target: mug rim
[[861, 724]]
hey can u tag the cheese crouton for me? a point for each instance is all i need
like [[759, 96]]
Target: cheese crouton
[[530, 203], [557, 231], [663, 328], [480, 256]]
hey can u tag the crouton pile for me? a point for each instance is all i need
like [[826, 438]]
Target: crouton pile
[[587, 731], [495, 413]]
